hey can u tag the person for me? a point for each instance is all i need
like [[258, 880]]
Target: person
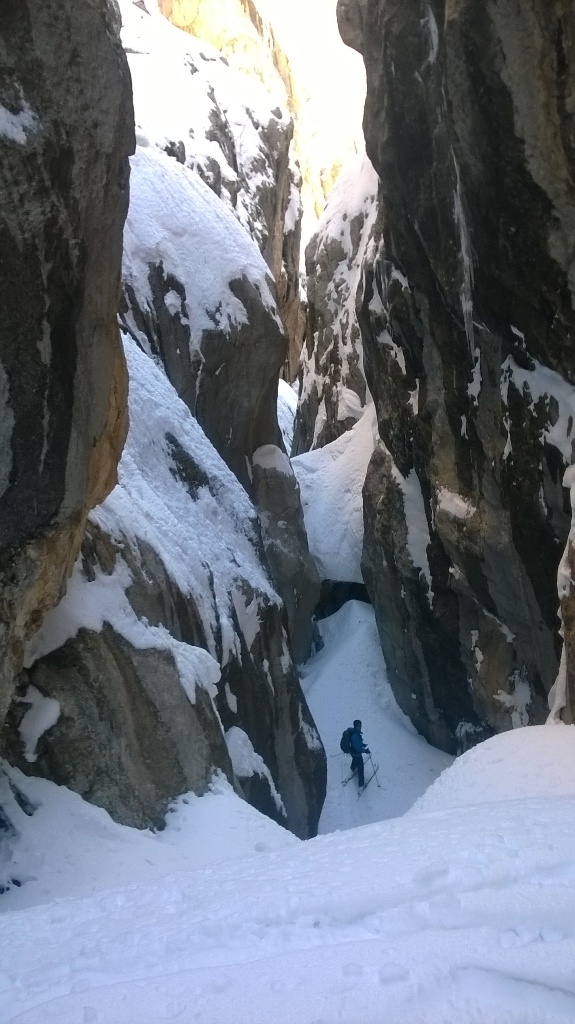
[[358, 749]]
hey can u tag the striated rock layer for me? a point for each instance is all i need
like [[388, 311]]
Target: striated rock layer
[[66, 130], [468, 328]]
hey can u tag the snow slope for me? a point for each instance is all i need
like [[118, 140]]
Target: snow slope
[[348, 680], [462, 914], [67, 847], [331, 481]]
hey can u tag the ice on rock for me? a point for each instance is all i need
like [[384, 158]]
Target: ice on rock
[[42, 714], [246, 762]]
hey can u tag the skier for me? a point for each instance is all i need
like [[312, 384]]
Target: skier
[[358, 749]]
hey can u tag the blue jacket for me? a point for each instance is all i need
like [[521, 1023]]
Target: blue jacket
[[357, 744]]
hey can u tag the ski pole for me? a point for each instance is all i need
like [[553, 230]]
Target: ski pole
[[375, 771]]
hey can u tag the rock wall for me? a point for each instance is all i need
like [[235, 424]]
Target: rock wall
[[468, 323], [65, 134], [170, 638], [333, 391], [172, 650]]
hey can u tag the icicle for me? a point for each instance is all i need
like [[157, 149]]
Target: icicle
[[466, 290]]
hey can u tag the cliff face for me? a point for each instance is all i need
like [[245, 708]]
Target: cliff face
[[333, 390], [172, 650], [65, 134], [196, 292], [268, 172], [468, 325], [170, 639]]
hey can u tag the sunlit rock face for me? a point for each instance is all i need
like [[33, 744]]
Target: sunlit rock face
[[468, 326], [198, 295], [333, 391], [256, 170], [293, 51], [300, 43], [65, 134]]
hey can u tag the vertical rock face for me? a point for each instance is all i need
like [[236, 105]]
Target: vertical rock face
[[468, 327], [65, 134], [333, 391]]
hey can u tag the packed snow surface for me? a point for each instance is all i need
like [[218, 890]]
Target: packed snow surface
[[459, 912], [346, 680]]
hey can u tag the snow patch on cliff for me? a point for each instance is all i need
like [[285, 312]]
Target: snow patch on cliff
[[331, 481]]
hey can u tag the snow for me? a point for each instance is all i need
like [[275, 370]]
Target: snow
[[246, 762], [189, 100], [353, 202], [518, 701], [346, 680], [466, 254], [269, 456], [331, 481], [294, 211], [14, 127], [287, 408], [431, 25], [515, 765], [67, 848], [209, 541], [418, 539], [176, 221], [454, 504], [459, 912], [542, 385], [42, 714], [474, 388]]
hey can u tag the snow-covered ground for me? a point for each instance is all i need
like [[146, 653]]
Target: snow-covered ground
[[347, 680], [459, 912]]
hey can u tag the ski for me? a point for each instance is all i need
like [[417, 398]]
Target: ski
[[344, 782], [367, 781]]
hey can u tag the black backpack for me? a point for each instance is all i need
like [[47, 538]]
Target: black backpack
[[345, 741]]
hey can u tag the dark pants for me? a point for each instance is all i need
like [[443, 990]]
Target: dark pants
[[357, 765]]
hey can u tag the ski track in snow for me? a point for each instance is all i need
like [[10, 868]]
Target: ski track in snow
[[406, 916], [460, 912]]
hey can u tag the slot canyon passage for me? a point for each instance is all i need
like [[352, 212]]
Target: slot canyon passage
[[287, 405]]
